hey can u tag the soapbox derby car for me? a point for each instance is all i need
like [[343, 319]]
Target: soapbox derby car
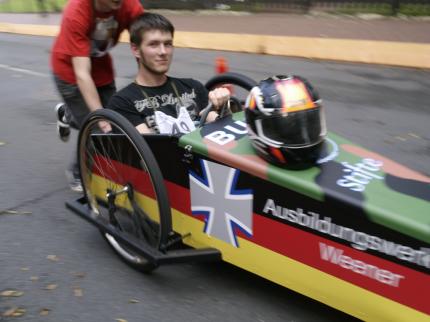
[[353, 231]]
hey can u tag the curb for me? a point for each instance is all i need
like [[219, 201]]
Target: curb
[[402, 54]]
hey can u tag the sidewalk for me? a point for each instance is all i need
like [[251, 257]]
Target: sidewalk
[[365, 27], [367, 39]]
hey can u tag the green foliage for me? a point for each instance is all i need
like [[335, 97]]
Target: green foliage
[[32, 6], [251, 7], [384, 9], [415, 9], [381, 9]]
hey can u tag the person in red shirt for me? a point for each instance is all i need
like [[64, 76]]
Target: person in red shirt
[[81, 64]]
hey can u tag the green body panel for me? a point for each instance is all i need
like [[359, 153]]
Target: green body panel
[[395, 208], [400, 212]]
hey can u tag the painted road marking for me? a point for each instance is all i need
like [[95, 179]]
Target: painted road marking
[[45, 75], [22, 70]]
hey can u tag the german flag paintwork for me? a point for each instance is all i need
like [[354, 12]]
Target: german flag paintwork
[[292, 257], [349, 232]]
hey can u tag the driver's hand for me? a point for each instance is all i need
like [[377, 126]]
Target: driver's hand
[[104, 126], [219, 96], [212, 116]]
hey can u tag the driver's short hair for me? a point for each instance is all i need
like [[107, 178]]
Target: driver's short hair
[[149, 21]]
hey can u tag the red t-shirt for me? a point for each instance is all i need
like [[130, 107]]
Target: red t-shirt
[[87, 33]]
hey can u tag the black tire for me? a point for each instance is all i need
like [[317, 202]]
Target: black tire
[[110, 162]]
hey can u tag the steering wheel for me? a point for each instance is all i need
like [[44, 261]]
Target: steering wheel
[[204, 114], [225, 110], [234, 79]]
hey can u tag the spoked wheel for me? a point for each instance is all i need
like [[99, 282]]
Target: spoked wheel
[[124, 186], [238, 83]]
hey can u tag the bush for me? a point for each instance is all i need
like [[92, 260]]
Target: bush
[[29, 6]]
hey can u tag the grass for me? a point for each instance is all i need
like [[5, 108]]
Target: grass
[[33, 6]]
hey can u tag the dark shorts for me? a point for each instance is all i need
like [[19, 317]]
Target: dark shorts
[[76, 108]]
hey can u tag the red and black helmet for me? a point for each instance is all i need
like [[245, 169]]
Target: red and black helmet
[[286, 122]]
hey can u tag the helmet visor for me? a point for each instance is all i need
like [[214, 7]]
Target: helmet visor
[[295, 129]]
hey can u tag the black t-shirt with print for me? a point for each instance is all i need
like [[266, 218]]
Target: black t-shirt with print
[[138, 103]]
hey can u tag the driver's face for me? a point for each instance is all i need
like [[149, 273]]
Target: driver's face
[[156, 51]]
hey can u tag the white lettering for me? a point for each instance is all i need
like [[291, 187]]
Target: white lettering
[[351, 185], [335, 256], [270, 206], [358, 239], [360, 174], [220, 137], [329, 253], [235, 129]]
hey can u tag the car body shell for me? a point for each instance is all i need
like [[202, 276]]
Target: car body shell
[[352, 232]]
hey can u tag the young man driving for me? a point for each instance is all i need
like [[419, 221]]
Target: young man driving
[[154, 96]]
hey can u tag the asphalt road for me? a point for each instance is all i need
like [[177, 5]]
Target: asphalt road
[[65, 270]]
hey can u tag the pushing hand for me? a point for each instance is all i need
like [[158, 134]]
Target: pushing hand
[[105, 126]]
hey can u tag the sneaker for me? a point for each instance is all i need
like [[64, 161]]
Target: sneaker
[[63, 126], [75, 183]]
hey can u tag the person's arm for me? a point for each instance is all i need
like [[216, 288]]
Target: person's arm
[[82, 69], [76, 27], [143, 129]]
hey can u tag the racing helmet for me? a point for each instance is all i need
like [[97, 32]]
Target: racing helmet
[[286, 122]]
